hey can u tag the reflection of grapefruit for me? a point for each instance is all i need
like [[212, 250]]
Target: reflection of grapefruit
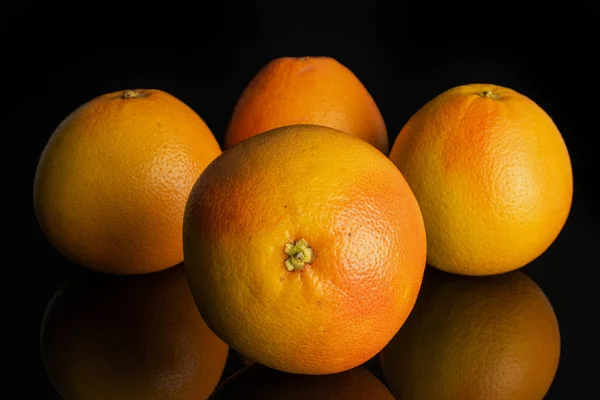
[[260, 382], [307, 90], [305, 249], [137, 337], [492, 176], [468, 338], [111, 184]]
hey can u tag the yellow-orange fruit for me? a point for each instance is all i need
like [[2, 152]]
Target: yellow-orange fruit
[[307, 90], [492, 175], [112, 182], [305, 249]]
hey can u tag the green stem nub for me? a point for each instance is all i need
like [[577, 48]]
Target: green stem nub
[[131, 94], [300, 253], [489, 94]]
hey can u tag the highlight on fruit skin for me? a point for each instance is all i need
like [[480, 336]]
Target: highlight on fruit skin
[[492, 175], [304, 248], [259, 382], [494, 337], [112, 181], [130, 337], [307, 90]]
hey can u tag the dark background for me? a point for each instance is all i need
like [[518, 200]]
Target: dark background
[[60, 56]]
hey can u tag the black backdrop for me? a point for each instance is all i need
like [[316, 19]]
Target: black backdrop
[[60, 56]]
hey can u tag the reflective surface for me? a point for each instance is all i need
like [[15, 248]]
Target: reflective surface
[[129, 337], [259, 382], [59, 57]]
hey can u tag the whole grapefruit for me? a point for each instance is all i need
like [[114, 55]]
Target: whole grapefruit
[[305, 249], [111, 184], [492, 175], [307, 90]]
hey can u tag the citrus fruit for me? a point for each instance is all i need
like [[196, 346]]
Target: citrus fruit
[[492, 175], [307, 90], [475, 338], [260, 382], [112, 181], [130, 337], [305, 249]]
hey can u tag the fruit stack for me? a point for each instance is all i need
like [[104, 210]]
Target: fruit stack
[[306, 245]]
